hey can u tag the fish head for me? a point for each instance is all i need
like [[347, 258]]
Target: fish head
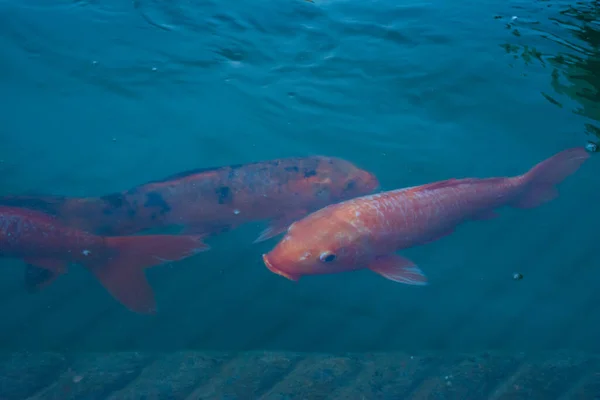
[[321, 243], [327, 180]]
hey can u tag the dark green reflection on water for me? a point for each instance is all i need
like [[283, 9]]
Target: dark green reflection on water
[[575, 67]]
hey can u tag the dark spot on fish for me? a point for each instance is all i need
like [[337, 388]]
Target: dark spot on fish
[[36, 276], [225, 195], [309, 172], [350, 185], [114, 200], [322, 192], [292, 169], [117, 204], [155, 200]]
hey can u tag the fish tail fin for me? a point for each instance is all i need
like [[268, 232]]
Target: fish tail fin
[[540, 181], [123, 274]]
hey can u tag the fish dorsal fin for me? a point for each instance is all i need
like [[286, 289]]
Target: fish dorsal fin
[[47, 204], [453, 182], [190, 172], [438, 185]]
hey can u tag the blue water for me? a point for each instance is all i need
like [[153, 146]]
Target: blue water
[[99, 96]]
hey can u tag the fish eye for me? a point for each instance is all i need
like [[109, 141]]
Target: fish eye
[[327, 256]]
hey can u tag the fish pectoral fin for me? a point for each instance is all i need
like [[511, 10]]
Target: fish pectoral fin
[[51, 264], [398, 269], [270, 232], [279, 225], [41, 272], [37, 278]]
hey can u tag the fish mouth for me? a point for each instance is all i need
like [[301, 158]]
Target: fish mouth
[[370, 181], [374, 183], [277, 271]]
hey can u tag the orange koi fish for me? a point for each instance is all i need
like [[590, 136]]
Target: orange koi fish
[[117, 262], [366, 232], [212, 200]]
